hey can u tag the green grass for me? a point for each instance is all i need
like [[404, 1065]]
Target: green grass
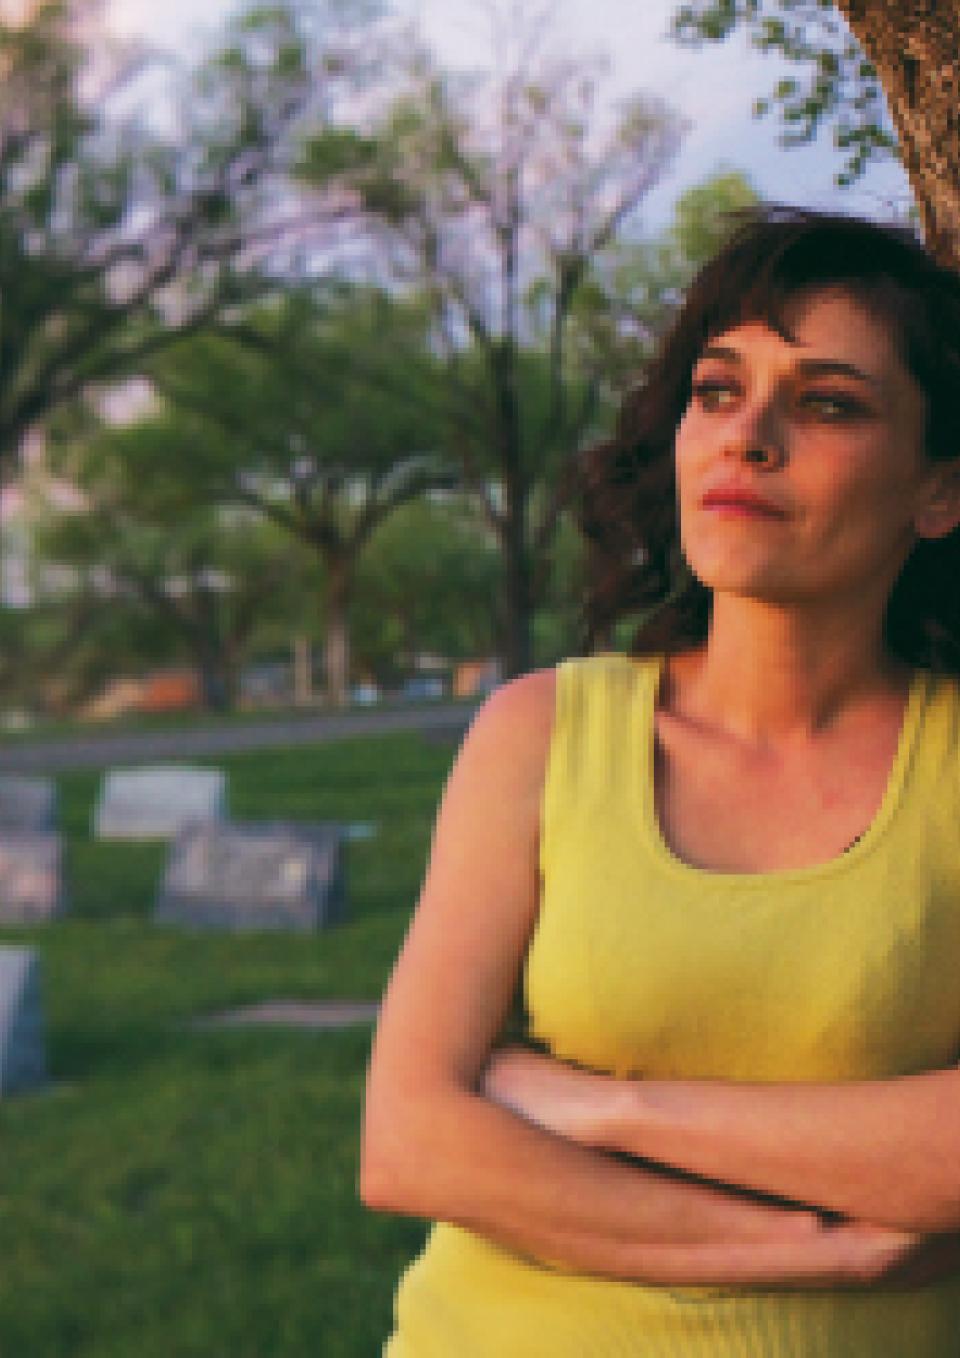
[[178, 1191]]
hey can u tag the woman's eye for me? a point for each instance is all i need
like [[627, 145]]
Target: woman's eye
[[830, 406], [713, 395]]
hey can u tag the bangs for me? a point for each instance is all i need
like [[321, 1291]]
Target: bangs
[[765, 281]]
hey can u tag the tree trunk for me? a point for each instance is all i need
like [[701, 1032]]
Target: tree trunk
[[518, 648], [302, 672], [916, 51], [336, 642], [216, 684], [518, 604]]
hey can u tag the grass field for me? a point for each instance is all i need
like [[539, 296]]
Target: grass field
[[182, 1192]]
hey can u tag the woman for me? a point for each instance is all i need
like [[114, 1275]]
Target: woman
[[726, 866]]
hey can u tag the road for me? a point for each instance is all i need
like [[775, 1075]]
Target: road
[[101, 748]]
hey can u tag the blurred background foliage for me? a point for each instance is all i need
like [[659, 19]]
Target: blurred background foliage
[[297, 371]]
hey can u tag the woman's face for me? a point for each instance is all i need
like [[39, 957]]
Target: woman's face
[[827, 428]]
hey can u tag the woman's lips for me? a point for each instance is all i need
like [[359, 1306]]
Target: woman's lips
[[741, 507]]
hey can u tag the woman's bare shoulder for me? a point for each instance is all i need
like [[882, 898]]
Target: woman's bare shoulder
[[529, 695], [517, 719]]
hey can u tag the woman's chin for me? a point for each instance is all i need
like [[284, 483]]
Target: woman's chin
[[747, 581], [735, 572]]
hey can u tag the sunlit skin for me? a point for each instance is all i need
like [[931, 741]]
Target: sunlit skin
[[799, 600], [844, 458], [837, 424]]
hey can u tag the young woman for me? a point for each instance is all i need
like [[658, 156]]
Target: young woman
[[725, 866]]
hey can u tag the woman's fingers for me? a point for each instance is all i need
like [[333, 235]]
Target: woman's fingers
[[845, 1256]]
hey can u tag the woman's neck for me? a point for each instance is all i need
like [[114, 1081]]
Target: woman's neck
[[772, 676]]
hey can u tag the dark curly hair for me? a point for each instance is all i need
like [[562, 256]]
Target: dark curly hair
[[624, 490]]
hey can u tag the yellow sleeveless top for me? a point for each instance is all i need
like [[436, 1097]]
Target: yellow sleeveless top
[[640, 964]]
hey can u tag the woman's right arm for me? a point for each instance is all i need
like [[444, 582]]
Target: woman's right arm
[[434, 1146]]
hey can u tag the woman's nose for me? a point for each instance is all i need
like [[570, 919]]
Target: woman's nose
[[755, 435]]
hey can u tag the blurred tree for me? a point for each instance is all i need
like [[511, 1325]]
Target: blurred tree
[[556, 626], [642, 281], [318, 414], [496, 195], [39, 646], [426, 583], [157, 577], [113, 238], [907, 51]]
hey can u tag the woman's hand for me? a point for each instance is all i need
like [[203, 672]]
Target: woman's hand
[[848, 1255], [860, 1255], [561, 1098]]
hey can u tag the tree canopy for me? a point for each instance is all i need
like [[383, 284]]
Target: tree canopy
[[883, 74]]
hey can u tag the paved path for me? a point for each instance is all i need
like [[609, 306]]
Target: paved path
[[295, 1014], [101, 748]]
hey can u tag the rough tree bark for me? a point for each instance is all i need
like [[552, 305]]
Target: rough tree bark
[[916, 51]]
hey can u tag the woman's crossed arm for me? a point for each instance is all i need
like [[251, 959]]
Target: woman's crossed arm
[[886, 1151], [436, 1145]]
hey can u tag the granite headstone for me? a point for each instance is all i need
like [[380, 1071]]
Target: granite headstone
[[27, 803], [255, 875], [31, 876], [22, 1064], [157, 801]]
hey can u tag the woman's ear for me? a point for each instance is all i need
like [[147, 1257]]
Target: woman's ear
[[939, 512]]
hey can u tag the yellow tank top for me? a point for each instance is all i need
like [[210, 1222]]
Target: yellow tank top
[[640, 964]]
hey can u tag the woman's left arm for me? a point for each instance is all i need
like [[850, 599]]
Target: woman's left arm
[[883, 1151]]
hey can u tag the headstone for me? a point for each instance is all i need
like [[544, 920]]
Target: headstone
[[27, 803], [254, 875], [22, 1064], [31, 876], [157, 801]]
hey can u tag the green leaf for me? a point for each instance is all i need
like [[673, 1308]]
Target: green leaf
[[335, 151]]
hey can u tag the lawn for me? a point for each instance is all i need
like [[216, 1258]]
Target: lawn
[[180, 1192]]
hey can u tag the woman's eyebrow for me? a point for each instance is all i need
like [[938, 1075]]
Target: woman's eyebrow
[[820, 366], [810, 367]]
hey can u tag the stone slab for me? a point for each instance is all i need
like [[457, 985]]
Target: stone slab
[[22, 1059], [254, 875], [31, 876], [158, 800], [27, 803]]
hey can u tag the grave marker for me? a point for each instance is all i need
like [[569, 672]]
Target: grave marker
[[22, 1064], [157, 801], [254, 875], [27, 803], [31, 876]]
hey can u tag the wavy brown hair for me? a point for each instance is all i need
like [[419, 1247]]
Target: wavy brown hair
[[624, 490]]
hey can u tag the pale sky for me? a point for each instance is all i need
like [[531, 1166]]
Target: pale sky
[[713, 88]]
